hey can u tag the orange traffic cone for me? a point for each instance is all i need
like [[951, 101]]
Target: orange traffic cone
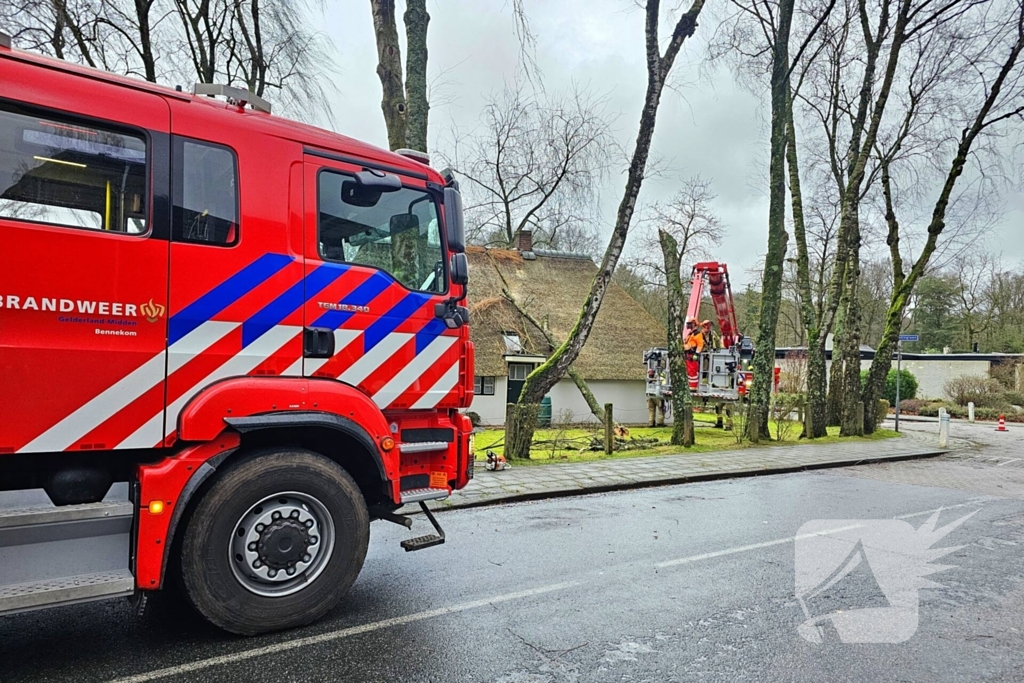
[[1002, 424]]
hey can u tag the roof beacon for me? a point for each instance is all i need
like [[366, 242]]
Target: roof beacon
[[236, 96], [415, 155]]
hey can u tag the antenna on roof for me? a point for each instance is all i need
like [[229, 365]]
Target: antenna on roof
[[235, 96], [5, 40]]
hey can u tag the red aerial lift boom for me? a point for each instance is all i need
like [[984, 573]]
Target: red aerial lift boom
[[715, 276]]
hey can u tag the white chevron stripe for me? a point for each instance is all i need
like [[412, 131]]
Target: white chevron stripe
[[342, 338], [294, 370], [369, 362], [439, 390], [412, 372], [238, 365], [197, 341], [95, 412]]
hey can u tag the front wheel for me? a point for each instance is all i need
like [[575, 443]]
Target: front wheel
[[275, 542]]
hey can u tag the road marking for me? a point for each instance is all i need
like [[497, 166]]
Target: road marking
[[792, 539], [336, 635], [753, 546], [972, 501], [1008, 462]]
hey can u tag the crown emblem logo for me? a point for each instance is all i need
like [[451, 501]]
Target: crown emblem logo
[[152, 311]]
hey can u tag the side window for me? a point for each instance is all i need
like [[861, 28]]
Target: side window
[[205, 189], [398, 232], [71, 174]]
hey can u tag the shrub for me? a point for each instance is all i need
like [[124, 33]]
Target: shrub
[[883, 409], [932, 410], [912, 406], [983, 391], [908, 385], [1014, 398], [474, 418]]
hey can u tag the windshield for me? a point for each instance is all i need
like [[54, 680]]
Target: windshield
[[398, 232]]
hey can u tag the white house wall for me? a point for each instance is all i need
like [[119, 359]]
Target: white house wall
[[626, 396], [932, 375]]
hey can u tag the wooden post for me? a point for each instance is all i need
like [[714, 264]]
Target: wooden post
[[860, 418], [688, 439], [609, 432]]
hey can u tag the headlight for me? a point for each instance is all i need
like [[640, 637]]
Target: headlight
[[748, 382]]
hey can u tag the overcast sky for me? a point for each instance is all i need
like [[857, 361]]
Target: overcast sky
[[708, 124]]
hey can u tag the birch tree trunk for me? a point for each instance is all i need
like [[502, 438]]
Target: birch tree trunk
[[814, 427], [417, 106], [771, 287], [519, 431]]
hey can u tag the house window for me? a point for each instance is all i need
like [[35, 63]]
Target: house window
[[512, 342], [483, 386], [519, 371]]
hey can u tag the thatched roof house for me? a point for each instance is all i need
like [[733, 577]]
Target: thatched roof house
[[551, 287]]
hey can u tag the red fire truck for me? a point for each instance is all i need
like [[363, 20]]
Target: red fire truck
[[228, 341]]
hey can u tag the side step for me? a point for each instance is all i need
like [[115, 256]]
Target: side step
[[420, 495], [53, 556], [21, 597], [421, 542]]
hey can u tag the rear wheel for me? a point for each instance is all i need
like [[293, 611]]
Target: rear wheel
[[275, 542]]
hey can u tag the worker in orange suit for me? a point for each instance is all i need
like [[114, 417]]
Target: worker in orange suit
[[711, 340], [693, 345]]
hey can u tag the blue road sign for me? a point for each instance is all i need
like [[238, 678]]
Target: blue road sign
[[909, 337]]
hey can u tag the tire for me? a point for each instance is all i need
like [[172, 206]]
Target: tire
[[226, 565]]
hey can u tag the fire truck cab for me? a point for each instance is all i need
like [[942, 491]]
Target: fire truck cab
[[228, 341]]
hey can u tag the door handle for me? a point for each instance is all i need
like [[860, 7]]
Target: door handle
[[317, 342]]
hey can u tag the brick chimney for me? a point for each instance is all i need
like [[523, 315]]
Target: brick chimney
[[524, 240]]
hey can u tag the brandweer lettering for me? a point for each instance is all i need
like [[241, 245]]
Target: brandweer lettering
[[87, 307]]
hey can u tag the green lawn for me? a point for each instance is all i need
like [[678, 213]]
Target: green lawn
[[568, 445]]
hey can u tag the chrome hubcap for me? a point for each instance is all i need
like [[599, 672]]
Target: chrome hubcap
[[281, 544]]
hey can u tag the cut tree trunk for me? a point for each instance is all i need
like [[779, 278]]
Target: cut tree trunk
[[681, 400]]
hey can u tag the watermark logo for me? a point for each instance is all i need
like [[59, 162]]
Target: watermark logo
[[858, 579]]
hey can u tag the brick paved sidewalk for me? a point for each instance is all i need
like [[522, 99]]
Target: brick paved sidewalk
[[548, 481]]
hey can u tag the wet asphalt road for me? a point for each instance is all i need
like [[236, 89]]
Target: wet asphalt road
[[570, 590]]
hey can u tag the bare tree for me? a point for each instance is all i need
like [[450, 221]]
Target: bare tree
[[991, 92], [264, 45], [534, 164], [519, 432], [688, 217]]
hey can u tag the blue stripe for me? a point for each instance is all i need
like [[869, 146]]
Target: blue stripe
[[280, 308], [429, 333], [360, 296], [225, 294], [387, 323]]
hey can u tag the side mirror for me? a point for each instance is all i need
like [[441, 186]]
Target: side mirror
[[454, 226], [460, 269]]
